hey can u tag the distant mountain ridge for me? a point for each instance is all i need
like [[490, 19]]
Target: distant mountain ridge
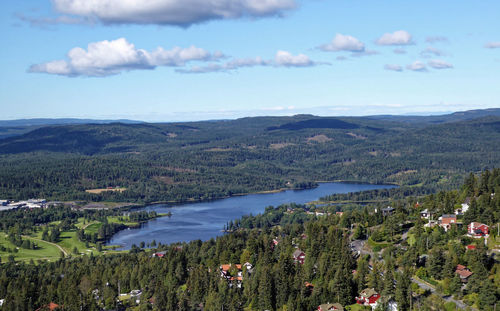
[[452, 117]]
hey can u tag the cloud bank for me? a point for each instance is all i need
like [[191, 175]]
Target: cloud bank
[[170, 12], [281, 59], [105, 58]]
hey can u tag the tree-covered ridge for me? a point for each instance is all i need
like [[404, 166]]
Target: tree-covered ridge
[[393, 254], [207, 160]]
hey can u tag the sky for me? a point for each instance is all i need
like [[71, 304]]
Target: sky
[[186, 60]]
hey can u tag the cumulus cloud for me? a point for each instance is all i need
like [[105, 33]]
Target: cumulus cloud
[[417, 66], [281, 59], [439, 64], [492, 45], [400, 37], [431, 51], [170, 12], [393, 67], [286, 59], [105, 58], [343, 43], [436, 39]]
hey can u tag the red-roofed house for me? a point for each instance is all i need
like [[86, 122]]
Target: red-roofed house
[[471, 247], [464, 273], [50, 307], [225, 272], [299, 256], [478, 230], [330, 307], [447, 220], [368, 297]]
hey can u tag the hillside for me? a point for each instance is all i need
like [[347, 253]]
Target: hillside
[[205, 160]]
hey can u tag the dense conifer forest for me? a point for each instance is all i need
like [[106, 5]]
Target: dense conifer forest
[[207, 160], [363, 247]]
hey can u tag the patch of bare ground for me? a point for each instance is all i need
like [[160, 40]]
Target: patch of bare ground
[[165, 179], [177, 169], [321, 138], [349, 162], [216, 149], [101, 190], [395, 154], [280, 145], [356, 135], [400, 173], [171, 135], [373, 153]]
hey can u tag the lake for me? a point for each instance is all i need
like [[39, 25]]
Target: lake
[[205, 220]]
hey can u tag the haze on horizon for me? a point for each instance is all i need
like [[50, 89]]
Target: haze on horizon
[[195, 60]]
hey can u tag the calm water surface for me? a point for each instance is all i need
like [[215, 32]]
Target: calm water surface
[[205, 220]]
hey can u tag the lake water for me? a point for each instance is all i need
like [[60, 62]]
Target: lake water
[[205, 220]]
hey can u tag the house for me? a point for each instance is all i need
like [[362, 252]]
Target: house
[[368, 297], [233, 273], [339, 214], [471, 247], [387, 211], [478, 230], [50, 307], [299, 256], [330, 307], [159, 254], [431, 224], [249, 267], [463, 272], [447, 220], [426, 214], [309, 287]]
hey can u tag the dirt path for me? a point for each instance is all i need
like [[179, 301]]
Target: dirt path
[[59, 247]]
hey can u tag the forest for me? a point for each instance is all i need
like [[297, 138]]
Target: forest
[[193, 161], [398, 255]]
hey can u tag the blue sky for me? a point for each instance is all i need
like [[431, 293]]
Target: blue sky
[[169, 60]]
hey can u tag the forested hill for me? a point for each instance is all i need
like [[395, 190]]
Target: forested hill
[[206, 160]]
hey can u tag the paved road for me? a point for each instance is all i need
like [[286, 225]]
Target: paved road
[[432, 289]]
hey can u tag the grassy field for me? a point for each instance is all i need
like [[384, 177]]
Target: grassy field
[[68, 241], [46, 251], [376, 246]]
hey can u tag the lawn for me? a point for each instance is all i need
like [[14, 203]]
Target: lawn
[[45, 251], [377, 246]]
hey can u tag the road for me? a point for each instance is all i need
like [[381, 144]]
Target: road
[[432, 289]]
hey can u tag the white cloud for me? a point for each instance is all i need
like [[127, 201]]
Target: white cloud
[[400, 37], [431, 51], [399, 51], [492, 45], [281, 59], [364, 53], [436, 39], [170, 12], [286, 59], [417, 66], [105, 58], [344, 43], [439, 64], [393, 67]]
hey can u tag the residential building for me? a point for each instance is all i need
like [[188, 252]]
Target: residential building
[[368, 297], [330, 307], [387, 211], [464, 273], [447, 220], [478, 230], [299, 256]]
